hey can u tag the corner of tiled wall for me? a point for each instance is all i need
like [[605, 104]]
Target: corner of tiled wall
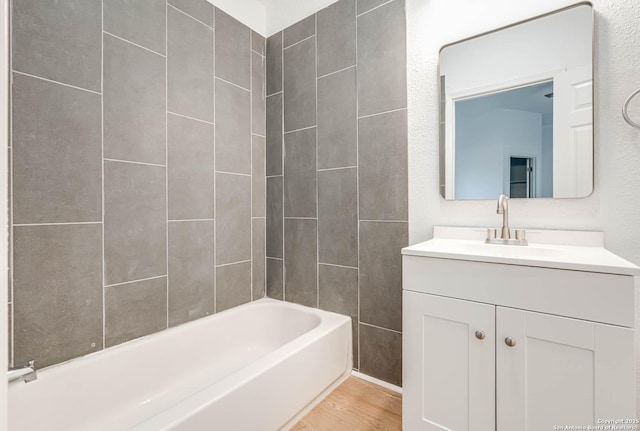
[[337, 171], [132, 194]]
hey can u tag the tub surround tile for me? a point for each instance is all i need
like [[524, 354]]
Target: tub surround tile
[[258, 120], [134, 103], [274, 216], [381, 273], [233, 218], [300, 85], [233, 46], [338, 217], [258, 259], [383, 164], [191, 270], [367, 5], [274, 64], [337, 37], [233, 129], [382, 59], [299, 31], [141, 22], [201, 10], [189, 66], [133, 310], [381, 354], [301, 261], [58, 308], [191, 169], [60, 41], [275, 278], [338, 292], [57, 153], [274, 134], [337, 120], [258, 178], [233, 285], [300, 173], [135, 222], [258, 43]]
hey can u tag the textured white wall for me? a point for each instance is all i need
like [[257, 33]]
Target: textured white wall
[[614, 207]]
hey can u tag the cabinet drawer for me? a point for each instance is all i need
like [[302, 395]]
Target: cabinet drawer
[[597, 297]]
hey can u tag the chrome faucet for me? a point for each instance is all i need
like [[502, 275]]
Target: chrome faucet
[[26, 373], [505, 231]]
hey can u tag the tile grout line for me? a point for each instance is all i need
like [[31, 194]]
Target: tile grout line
[[382, 113], [231, 83], [132, 43], [274, 94], [297, 130], [384, 221], [274, 258], [374, 8], [381, 328], [296, 43], [56, 224], [336, 72], [251, 160], [132, 162], [156, 277], [215, 180], [358, 185], [337, 169], [315, 57], [233, 263], [190, 220], [166, 142], [189, 15], [282, 157], [191, 118], [11, 197], [53, 82], [232, 173], [338, 266], [104, 259]]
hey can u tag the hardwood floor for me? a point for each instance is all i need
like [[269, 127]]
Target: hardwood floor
[[355, 405]]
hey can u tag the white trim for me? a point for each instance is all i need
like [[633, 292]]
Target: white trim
[[4, 227], [375, 381]]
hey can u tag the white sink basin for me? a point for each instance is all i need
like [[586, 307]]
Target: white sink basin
[[581, 251]]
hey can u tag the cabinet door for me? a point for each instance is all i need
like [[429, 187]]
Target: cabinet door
[[448, 370], [561, 371]]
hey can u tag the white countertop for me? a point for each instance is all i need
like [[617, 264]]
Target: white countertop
[[570, 250]]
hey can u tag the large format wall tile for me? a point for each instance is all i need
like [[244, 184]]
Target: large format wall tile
[[275, 278], [258, 179], [274, 216], [189, 66], [233, 285], [134, 103], [337, 37], [381, 354], [57, 153], [337, 120], [338, 216], [299, 31], [191, 169], [201, 10], [233, 218], [383, 167], [338, 292], [258, 120], [274, 134], [258, 260], [301, 261], [135, 222], [191, 270], [300, 173], [58, 40], [58, 292], [133, 310], [233, 128], [233, 50], [274, 64], [381, 273], [382, 59], [140, 22], [300, 85], [367, 5]]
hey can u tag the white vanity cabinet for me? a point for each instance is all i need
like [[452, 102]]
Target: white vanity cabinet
[[513, 342]]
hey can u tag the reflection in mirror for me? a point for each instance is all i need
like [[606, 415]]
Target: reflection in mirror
[[516, 110]]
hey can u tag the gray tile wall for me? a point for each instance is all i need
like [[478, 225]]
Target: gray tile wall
[[138, 171], [337, 171]]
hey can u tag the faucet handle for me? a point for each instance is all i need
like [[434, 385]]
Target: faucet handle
[[521, 234], [492, 233]]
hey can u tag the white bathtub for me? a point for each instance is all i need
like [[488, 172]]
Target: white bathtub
[[256, 367]]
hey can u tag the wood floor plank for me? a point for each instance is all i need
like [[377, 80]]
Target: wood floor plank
[[355, 405]]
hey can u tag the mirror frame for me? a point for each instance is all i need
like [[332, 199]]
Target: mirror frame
[[442, 144]]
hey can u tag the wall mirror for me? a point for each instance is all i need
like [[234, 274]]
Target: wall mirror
[[516, 110]]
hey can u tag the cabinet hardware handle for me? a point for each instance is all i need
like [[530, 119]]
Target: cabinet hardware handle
[[510, 341], [480, 335]]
